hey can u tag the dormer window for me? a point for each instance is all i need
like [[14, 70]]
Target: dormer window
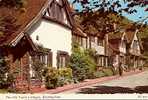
[[135, 44], [37, 38]]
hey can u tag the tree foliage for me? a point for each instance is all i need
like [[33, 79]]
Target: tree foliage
[[13, 3], [7, 26], [82, 64], [114, 5], [104, 8], [5, 77]]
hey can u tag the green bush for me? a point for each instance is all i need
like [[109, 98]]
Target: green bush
[[82, 64], [65, 76], [51, 78], [108, 72], [4, 74], [104, 72], [39, 69], [57, 77], [99, 74], [13, 3]]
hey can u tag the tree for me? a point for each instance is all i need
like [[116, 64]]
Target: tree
[[104, 7], [13, 3], [82, 63], [112, 5]]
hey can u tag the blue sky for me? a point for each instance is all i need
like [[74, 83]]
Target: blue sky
[[133, 17]]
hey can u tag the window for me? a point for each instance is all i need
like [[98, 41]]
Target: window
[[43, 58], [100, 61], [37, 38], [52, 7], [31, 71], [92, 39], [135, 44], [62, 59], [84, 42], [100, 42], [49, 59]]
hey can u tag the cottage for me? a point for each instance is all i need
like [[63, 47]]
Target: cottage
[[92, 40], [79, 37], [117, 48], [125, 48], [135, 49], [54, 31], [43, 31]]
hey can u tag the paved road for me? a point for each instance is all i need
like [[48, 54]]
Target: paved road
[[130, 84]]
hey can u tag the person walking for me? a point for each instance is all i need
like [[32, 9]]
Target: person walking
[[120, 69]]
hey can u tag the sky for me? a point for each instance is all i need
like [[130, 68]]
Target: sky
[[134, 17]]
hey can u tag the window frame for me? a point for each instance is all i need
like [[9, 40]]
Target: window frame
[[60, 56]]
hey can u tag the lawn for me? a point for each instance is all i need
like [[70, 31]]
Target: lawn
[[3, 91]]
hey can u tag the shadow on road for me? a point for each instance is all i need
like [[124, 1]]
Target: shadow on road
[[113, 90]]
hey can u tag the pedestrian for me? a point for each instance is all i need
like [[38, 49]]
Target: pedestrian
[[120, 69]]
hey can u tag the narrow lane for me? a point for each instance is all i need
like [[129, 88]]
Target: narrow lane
[[130, 84]]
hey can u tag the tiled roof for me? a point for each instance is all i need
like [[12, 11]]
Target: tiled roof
[[113, 49], [33, 11], [117, 35], [78, 31], [130, 36]]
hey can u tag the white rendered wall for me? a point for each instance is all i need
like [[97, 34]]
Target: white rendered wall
[[53, 36], [100, 49], [122, 46], [132, 50]]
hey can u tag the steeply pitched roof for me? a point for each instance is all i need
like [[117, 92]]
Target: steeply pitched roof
[[25, 19], [113, 49], [117, 35], [76, 29], [115, 40], [54, 8], [130, 35], [32, 12]]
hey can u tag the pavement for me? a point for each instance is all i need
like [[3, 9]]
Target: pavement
[[127, 83], [137, 83]]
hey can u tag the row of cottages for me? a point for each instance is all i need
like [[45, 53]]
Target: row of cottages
[[125, 49], [92, 39], [94, 42], [45, 33], [112, 49]]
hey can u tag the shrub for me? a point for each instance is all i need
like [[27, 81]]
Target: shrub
[[13, 3], [65, 76], [104, 72], [57, 77], [51, 78], [4, 69], [38, 67], [108, 72], [99, 74], [82, 64]]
